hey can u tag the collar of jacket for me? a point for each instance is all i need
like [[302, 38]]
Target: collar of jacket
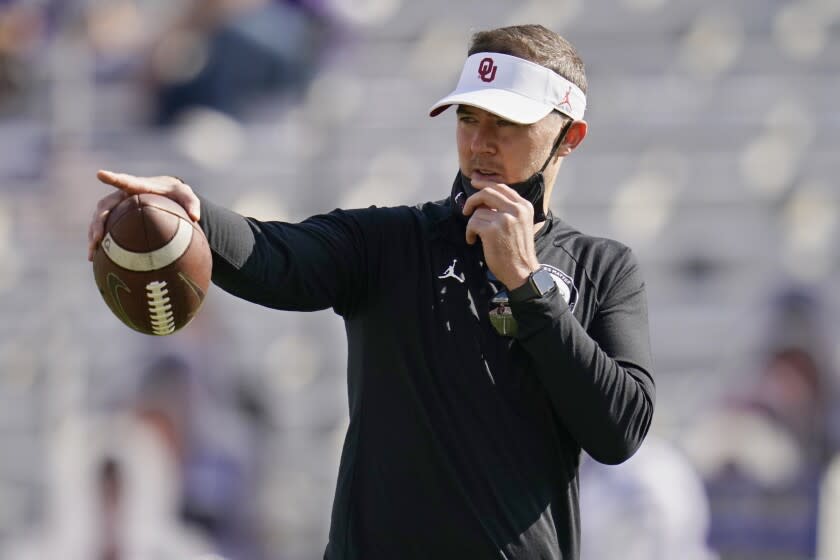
[[446, 221]]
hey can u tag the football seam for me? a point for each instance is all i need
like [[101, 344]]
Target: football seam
[[145, 221], [161, 316], [143, 203]]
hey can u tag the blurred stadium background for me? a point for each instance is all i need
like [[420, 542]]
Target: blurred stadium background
[[714, 151]]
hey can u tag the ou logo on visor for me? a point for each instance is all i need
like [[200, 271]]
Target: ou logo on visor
[[487, 70]]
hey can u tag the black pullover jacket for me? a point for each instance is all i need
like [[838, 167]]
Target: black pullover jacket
[[462, 444]]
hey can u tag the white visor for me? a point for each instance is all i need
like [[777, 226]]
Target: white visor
[[513, 88]]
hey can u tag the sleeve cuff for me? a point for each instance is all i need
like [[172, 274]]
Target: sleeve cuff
[[536, 313], [525, 292]]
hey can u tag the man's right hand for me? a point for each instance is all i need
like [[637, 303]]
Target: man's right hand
[[128, 185]]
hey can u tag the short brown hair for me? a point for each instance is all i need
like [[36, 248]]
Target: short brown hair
[[535, 43]]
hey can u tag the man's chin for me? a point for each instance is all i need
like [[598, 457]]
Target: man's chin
[[492, 178]]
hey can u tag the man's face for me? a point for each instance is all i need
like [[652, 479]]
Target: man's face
[[501, 151]]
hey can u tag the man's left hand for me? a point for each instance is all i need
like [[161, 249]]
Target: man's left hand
[[505, 223]]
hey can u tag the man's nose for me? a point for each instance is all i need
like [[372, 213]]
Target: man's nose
[[483, 140]]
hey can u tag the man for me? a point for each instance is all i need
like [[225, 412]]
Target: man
[[489, 342]]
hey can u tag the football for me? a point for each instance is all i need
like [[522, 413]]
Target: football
[[153, 265]]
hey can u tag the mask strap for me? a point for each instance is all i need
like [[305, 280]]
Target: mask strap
[[557, 142]]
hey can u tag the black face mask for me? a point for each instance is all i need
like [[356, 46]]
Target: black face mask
[[531, 189]]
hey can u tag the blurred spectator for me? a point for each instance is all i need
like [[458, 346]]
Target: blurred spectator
[[224, 53], [22, 28], [24, 36], [213, 450], [763, 452], [111, 495], [652, 507]]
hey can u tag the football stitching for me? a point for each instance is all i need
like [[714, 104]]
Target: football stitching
[[161, 316]]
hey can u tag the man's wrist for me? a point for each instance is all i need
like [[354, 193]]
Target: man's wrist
[[520, 276], [518, 281], [537, 284]]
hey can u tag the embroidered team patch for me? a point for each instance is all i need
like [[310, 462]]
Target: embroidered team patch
[[564, 284]]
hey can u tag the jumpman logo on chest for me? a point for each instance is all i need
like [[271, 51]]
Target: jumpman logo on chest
[[450, 273]]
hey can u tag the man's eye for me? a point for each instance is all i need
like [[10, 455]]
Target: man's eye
[[502, 122]]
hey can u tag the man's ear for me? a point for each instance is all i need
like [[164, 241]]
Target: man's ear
[[573, 137]]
